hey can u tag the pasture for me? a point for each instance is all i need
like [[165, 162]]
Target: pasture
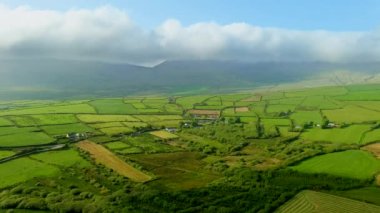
[[352, 164], [113, 106], [347, 135], [25, 139], [66, 128], [23, 169], [351, 114], [63, 158]]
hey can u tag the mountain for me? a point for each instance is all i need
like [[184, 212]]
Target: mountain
[[31, 79]]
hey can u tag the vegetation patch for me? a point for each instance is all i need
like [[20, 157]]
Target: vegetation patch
[[23, 169], [110, 160], [311, 201], [164, 134]]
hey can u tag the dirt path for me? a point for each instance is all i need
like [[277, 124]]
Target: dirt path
[[110, 160]]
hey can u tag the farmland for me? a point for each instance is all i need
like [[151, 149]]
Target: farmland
[[103, 156], [195, 150], [310, 201]]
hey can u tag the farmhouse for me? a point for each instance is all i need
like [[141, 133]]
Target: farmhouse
[[75, 136], [208, 114]]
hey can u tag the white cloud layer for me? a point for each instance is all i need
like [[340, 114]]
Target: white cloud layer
[[108, 34]]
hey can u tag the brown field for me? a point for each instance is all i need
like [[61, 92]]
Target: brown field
[[110, 160], [252, 98], [374, 149], [241, 109]]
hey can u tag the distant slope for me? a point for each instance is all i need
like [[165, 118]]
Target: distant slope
[[70, 79], [310, 201]]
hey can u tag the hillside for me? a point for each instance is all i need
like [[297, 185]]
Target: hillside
[[35, 79]]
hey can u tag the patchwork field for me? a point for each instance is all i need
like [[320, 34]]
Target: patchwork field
[[225, 149]]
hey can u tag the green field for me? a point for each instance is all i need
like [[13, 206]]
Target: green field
[[25, 139], [72, 108], [113, 106], [117, 145], [352, 164], [348, 135], [311, 201], [65, 158], [302, 117], [4, 154], [23, 169], [66, 128], [5, 122], [351, 114]]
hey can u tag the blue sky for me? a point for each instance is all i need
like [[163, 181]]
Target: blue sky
[[332, 15]]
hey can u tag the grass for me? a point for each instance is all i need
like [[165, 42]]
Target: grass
[[352, 164], [66, 128], [371, 105], [16, 130], [366, 194], [105, 118], [51, 119], [311, 201], [113, 106], [5, 122], [188, 102], [302, 117], [117, 130], [149, 144], [22, 121], [117, 145], [280, 108], [105, 125], [107, 158], [351, 114], [348, 135], [372, 136], [320, 91], [318, 102], [371, 95], [4, 154], [164, 134], [23, 169], [167, 123], [178, 170], [25, 139], [65, 158], [66, 109], [152, 118]]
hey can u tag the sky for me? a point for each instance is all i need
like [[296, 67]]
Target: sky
[[148, 32]]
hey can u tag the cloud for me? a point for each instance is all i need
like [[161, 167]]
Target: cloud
[[109, 34]]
